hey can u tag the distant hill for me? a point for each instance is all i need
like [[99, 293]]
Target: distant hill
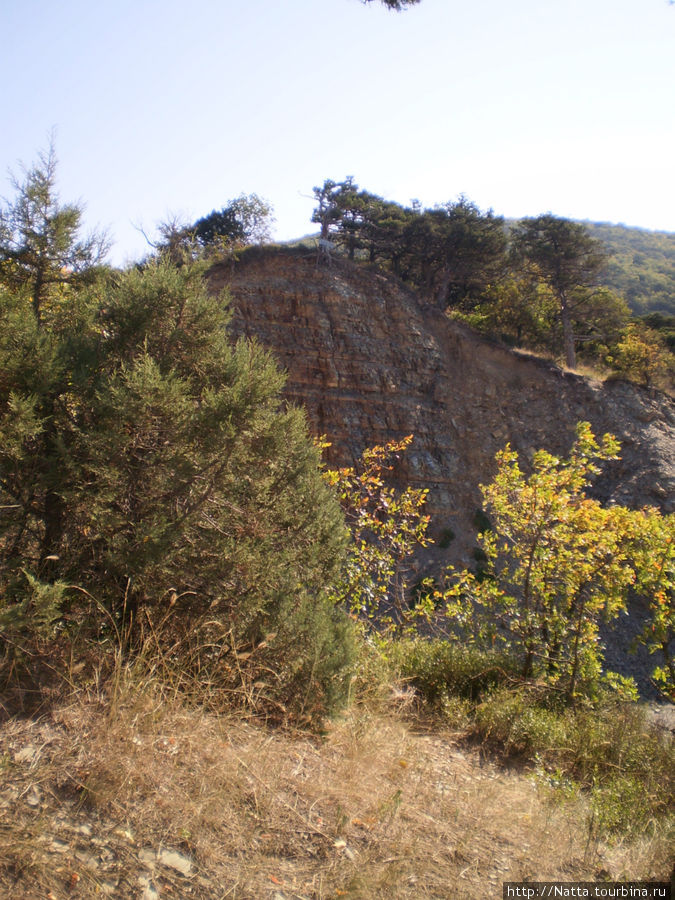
[[641, 266]]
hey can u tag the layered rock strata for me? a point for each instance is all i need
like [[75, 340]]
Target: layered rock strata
[[371, 363]]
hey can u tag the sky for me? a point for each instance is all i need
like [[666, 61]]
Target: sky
[[163, 108]]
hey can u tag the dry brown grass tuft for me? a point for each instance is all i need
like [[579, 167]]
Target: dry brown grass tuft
[[137, 796]]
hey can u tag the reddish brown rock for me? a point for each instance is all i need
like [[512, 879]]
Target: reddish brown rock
[[371, 363]]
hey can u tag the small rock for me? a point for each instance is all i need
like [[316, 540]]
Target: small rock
[[175, 861], [26, 754], [33, 796], [87, 859], [124, 833], [59, 846], [342, 845], [147, 857]]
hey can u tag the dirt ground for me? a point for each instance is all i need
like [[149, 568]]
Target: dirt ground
[[144, 800]]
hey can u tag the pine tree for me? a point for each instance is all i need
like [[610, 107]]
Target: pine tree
[[148, 464], [39, 246], [398, 5], [565, 257]]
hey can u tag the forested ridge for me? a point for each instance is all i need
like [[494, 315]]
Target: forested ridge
[[543, 283], [641, 266]]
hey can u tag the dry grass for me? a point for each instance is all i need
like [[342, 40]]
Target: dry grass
[[97, 796], [591, 371]]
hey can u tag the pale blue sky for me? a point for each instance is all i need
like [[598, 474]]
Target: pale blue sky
[[163, 107]]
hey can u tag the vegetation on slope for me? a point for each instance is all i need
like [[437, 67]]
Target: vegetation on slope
[[130, 793], [541, 283], [171, 547], [150, 476], [641, 266]]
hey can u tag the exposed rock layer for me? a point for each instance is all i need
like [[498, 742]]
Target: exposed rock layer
[[371, 363]]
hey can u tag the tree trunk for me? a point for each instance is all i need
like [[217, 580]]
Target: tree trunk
[[575, 650], [52, 509], [37, 294], [442, 293], [568, 334]]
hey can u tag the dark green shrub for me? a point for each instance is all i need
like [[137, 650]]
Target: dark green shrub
[[622, 805], [515, 722], [440, 668], [445, 538], [481, 522], [314, 655], [151, 476]]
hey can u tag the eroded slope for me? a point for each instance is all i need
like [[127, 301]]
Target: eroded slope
[[371, 363]]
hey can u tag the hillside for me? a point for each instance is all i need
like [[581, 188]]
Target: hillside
[[371, 363], [152, 758], [134, 797], [641, 267]]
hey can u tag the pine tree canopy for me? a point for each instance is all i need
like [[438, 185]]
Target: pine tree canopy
[[147, 461]]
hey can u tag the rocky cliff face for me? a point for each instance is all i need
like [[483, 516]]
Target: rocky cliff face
[[371, 363]]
